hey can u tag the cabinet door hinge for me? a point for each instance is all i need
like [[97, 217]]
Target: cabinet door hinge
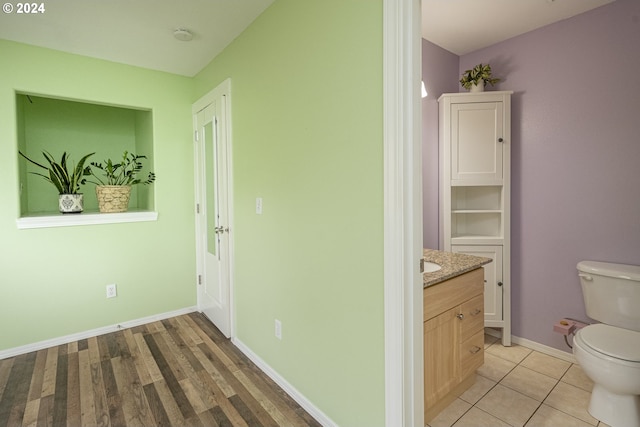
[[197, 207], [196, 135], [199, 279]]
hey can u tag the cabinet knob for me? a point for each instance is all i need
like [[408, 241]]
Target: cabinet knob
[[460, 316], [499, 283], [500, 140]]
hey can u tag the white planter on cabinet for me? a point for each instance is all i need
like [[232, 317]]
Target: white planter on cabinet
[[475, 138]]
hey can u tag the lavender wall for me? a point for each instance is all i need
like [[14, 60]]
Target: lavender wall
[[575, 157], [439, 74]]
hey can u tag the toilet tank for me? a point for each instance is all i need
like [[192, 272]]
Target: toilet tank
[[611, 293]]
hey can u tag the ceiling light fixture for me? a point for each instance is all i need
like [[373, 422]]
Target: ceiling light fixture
[[183, 35]]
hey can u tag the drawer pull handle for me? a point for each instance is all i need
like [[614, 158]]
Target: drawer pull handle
[[475, 349], [476, 311], [460, 316]]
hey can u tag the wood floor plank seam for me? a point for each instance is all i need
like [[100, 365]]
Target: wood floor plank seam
[[180, 371]]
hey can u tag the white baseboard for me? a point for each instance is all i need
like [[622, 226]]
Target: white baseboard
[[550, 351], [316, 413], [92, 333]]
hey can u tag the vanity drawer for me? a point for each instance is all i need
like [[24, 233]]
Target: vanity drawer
[[441, 297], [472, 354], [472, 317]]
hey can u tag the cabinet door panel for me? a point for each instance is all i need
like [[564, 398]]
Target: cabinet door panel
[[441, 356], [493, 298], [475, 150]]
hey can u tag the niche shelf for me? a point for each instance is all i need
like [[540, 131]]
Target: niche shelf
[[79, 127]]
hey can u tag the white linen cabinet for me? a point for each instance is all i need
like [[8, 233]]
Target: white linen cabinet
[[475, 166]]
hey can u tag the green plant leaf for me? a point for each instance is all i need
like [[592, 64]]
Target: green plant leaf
[[66, 181]]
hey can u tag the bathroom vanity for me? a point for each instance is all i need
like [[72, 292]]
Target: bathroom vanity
[[453, 305]]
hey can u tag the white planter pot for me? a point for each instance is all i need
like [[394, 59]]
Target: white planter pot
[[71, 203], [477, 87]]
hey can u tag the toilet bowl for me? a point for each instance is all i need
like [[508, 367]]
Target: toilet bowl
[[610, 356], [609, 352]]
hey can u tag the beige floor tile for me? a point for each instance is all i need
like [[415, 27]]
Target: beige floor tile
[[576, 376], [506, 393], [571, 400], [450, 414], [546, 416], [530, 383], [477, 418], [548, 365], [489, 339], [477, 390], [515, 353], [494, 367], [508, 405]]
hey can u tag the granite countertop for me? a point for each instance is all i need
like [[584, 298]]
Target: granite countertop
[[452, 265]]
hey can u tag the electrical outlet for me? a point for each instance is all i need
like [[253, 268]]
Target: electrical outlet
[[278, 329], [111, 291]]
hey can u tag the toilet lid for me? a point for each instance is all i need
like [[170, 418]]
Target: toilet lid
[[615, 342]]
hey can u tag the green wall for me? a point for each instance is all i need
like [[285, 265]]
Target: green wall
[[307, 138], [306, 93], [53, 280]]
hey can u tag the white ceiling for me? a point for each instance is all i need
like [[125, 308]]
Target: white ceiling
[[136, 32], [140, 32], [463, 26]]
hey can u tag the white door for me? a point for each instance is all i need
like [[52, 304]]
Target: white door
[[477, 137], [493, 282], [213, 228]]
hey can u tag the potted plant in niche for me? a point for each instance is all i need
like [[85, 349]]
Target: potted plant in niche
[[113, 187], [476, 78], [66, 179]]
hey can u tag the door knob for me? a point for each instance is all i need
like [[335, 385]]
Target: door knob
[[221, 229]]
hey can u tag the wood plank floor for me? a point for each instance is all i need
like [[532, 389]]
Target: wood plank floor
[[176, 372]]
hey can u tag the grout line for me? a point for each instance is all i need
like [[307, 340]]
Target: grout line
[[516, 364]]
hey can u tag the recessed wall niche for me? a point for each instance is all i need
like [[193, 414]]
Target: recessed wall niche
[[79, 128]]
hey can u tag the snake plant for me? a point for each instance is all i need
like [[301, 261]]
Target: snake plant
[[65, 177]]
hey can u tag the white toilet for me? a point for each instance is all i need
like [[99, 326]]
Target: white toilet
[[609, 352]]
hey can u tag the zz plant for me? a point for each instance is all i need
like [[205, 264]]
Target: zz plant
[[123, 173]]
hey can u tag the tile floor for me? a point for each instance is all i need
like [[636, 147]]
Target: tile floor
[[518, 386]]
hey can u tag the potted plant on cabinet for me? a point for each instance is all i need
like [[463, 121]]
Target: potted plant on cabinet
[[67, 180], [476, 78], [113, 187]]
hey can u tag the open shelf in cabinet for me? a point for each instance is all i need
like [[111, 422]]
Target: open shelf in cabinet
[[476, 198], [485, 224]]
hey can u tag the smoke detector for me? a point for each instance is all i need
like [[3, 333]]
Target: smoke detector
[[183, 35]]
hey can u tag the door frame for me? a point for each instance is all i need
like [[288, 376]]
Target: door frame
[[223, 88], [402, 63]]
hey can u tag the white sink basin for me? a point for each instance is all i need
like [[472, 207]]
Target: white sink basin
[[430, 267]]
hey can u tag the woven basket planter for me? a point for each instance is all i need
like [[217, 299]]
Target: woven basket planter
[[113, 198]]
